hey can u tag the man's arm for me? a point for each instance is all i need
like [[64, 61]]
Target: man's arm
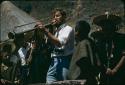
[[119, 65], [53, 39]]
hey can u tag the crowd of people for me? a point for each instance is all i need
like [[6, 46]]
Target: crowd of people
[[58, 52]]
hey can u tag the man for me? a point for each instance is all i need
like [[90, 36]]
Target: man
[[22, 53], [84, 60], [111, 49], [63, 43]]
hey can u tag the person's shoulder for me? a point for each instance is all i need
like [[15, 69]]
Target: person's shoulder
[[88, 41], [68, 26], [85, 41]]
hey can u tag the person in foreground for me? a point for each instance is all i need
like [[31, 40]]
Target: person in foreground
[[84, 61], [63, 46], [111, 49]]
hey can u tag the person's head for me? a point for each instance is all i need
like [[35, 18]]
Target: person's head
[[59, 16], [8, 48], [10, 35], [82, 29]]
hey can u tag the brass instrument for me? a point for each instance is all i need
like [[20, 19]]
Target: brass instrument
[[17, 29]]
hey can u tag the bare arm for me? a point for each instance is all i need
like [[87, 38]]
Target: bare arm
[[120, 63], [53, 39], [117, 67]]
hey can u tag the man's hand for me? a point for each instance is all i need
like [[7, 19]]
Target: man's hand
[[108, 71], [39, 25], [53, 21], [111, 71], [114, 71]]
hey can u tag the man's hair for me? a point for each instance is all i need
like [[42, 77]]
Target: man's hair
[[63, 13]]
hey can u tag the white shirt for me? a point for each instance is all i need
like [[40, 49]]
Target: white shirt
[[66, 36], [22, 54]]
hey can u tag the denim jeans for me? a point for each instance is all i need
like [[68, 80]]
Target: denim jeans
[[58, 69]]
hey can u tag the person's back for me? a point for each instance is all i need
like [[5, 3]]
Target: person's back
[[83, 64]]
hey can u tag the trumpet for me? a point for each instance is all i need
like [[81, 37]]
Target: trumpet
[[23, 28], [15, 31]]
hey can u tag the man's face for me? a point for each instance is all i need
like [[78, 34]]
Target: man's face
[[77, 35], [58, 18]]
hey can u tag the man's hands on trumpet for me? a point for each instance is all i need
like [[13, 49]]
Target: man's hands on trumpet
[[39, 25]]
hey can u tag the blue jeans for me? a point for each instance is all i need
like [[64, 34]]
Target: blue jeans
[[58, 69]]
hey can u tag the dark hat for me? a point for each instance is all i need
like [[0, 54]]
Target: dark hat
[[107, 19]]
